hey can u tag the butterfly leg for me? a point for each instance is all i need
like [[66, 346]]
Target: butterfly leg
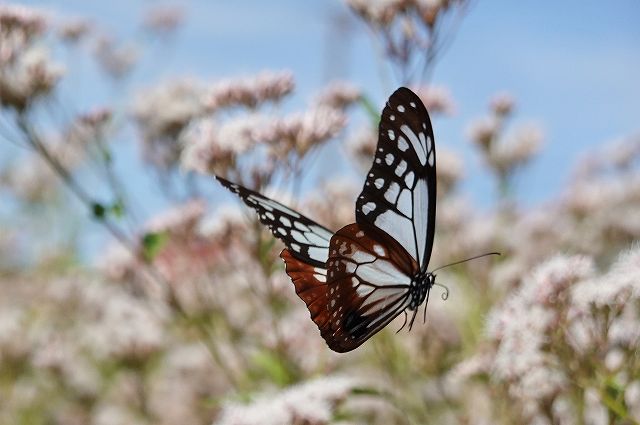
[[425, 306], [405, 321], [413, 318]]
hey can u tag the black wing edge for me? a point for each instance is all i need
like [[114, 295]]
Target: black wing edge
[[280, 231]]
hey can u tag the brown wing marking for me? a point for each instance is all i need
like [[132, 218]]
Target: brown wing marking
[[311, 286]]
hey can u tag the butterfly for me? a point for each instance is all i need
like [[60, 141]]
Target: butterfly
[[358, 279]]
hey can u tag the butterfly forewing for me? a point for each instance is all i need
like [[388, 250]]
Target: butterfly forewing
[[368, 280], [307, 240], [399, 193]]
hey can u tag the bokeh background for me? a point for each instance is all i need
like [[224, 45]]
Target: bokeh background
[[134, 289]]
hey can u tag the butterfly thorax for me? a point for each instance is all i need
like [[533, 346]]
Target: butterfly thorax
[[420, 286]]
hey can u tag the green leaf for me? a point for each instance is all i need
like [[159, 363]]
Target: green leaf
[[368, 391], [117, 208], [270, 364], [152, 243], [98, 210]]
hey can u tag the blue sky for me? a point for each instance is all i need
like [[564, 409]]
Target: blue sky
[[573, 67]]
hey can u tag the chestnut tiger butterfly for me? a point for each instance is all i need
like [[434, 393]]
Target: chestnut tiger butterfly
[[358, 279]]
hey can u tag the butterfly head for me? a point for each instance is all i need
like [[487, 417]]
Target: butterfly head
[[420, 286]]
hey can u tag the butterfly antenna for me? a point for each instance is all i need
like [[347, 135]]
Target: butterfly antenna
[[463, 261], [445, 294], [405, 321]]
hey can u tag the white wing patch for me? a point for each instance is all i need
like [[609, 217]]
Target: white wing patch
[[417, 143], [420, 216], [404, 203], [399, 228], [402, 144], [381, 273], [391, 194]]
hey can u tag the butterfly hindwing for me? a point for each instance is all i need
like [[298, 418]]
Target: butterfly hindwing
[[306, 240], [311, 286], [368, 280], [399, 194]]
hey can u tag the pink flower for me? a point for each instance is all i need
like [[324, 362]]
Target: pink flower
[[164, 18], [502, 104], [303, 131], [437, 99], [483, 131], [338, 95], [250, 91]]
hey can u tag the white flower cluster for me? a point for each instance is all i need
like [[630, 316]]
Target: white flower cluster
[[311, 403]]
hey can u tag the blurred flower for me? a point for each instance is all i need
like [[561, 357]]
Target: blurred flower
[[116, 60], [30, 76], [184, 254], [618, 287], [250, 91], [240, 134], [437, 99], [19, 27], [214, 149], [118, 263], [74, 143], [202, 151], [73, 31], [479, 364], [632, 398], [380, 12], [516, 150], [164, 19], [122, 326], [228, 221], [623, 152], [429, 9], [595, 412], [584, 197], [520, 327], [187, 379], [338, 95], [57, 354], [303, 131], [12, 346], [31, 179], [483, 131], [179, 220], [361, 145], [449, 170], [562, 318], [332, 204], [502, 104], [162, 114], [110, 414], [313, 402]]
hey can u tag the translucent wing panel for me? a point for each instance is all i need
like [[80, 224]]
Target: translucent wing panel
[[306, 239], [399, 193], [368, 277]]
